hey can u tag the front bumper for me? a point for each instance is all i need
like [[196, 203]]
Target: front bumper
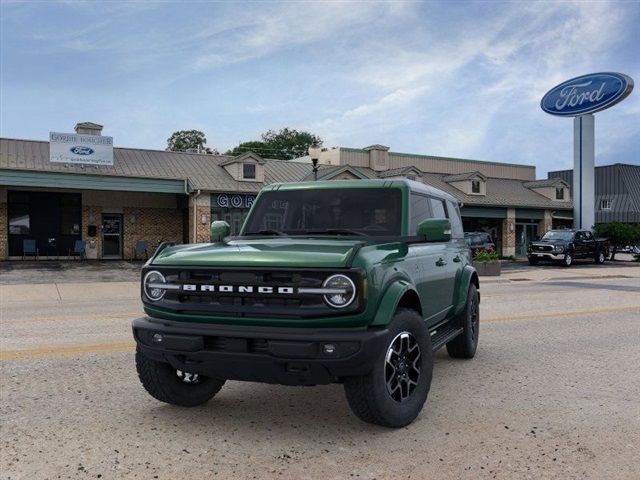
[[284, 355], [546, 256]]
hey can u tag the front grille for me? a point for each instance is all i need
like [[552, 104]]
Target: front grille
[[282, 301], [543, 248]]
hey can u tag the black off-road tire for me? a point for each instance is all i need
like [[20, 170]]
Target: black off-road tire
[[163, 382], [600, 257], [567, 261], [532, 260], [369, 396], [466, 344]]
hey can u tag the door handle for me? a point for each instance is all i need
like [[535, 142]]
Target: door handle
[[457, 259], [441, 262]]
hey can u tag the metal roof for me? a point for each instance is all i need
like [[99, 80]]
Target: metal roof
[[202, 171], [547, 182], [464, 176], [205, 172]]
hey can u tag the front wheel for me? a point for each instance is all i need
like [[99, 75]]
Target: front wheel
[[600, 257], [165, 383], [533, 260], [395, 390], [567, 261]]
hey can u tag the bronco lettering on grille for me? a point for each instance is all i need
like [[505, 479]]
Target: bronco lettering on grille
[[237, 289]]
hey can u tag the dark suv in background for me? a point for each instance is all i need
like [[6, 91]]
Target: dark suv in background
[[479, 241]]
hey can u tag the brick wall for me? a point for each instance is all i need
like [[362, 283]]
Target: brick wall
[[153, 225], [202, 207], [91, 215], [545, 224], [509, 233]]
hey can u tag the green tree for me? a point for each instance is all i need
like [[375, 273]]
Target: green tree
[[283, 144], [619, 234], [255, 146], [289, 143], [184, 140]]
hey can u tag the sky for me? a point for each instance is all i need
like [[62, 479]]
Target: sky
[[451, 78]]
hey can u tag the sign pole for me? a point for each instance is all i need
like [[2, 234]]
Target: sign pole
[[579, 98], [583, 171]]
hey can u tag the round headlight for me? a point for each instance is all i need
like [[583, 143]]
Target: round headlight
[[559, 248], [343, 291], [151, 283]]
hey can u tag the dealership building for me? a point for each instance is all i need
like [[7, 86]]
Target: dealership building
[[78, 187]]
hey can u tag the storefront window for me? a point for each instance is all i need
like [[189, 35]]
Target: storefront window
[[19, 220], [70, 215], [232, 208], [19, 213]]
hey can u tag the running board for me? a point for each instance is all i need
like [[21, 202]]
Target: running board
[[444, 335]]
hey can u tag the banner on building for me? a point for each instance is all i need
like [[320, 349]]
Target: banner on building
[[80, 149]]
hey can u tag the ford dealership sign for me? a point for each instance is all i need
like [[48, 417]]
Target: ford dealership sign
[[80, 149], [587, 94]]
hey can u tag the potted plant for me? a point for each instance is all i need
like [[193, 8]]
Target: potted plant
[[487, 263]]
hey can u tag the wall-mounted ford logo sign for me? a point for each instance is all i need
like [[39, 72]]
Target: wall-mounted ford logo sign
[[78, 150], [587, 94]]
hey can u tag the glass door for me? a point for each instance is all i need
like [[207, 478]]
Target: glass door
[[111, 235], [525, 233]]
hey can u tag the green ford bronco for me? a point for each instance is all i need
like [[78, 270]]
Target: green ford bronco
[[353, 281]]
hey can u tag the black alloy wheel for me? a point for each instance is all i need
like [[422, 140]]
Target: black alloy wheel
[[402, 366]]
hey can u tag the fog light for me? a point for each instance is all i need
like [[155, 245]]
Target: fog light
[[329, 348], [157, 338]]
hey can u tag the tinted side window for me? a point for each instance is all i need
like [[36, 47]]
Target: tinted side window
[[420, 210], [454, 217], [437, 207]]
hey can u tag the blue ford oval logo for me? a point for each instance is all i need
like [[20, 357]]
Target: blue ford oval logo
[[82, 150], [587, 94]]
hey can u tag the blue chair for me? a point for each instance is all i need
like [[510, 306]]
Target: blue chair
[[140, 248], [79, 249], [29, 248]]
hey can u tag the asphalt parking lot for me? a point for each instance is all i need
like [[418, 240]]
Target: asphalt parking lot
[[552, 393]]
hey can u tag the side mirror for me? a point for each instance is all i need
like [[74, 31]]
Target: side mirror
[[219, 230], [435, 230]]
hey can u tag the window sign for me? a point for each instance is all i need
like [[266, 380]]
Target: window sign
[[80, 149], [225, 200]]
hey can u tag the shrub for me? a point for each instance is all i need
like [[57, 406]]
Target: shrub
[[484, 256]]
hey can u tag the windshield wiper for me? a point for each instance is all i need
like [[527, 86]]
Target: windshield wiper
[[268, 232], [336, 231]]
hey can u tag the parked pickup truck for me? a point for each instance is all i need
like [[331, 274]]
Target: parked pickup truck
[[565, 246], [354, 281]]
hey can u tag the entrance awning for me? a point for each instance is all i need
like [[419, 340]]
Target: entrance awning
[[24, 178], [483, 212], [565, 215]]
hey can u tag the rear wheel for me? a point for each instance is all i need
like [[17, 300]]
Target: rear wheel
[[466, 344], [165, 383], [395, 390]]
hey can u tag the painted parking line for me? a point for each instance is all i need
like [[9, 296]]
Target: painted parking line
[[71, 318], [64, 351], [571, 313], [129, 346]]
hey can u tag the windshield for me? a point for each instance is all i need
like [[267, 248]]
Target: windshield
[[558, 235], [327, 211]]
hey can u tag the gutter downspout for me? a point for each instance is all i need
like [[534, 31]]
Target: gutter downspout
[[195, 215]]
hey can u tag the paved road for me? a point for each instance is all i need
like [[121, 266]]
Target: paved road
[[552, 393]]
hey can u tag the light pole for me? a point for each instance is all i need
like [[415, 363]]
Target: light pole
[[314, 153]]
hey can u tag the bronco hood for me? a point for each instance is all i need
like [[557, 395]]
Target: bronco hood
[[270, 252]]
